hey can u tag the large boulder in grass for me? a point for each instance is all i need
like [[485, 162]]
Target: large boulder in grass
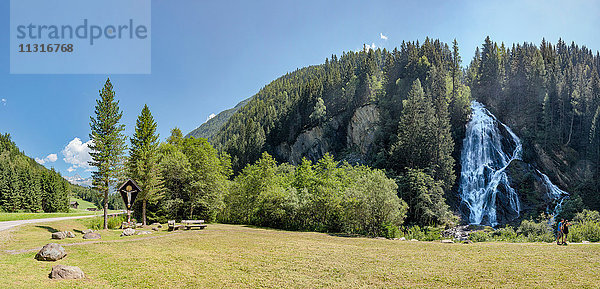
[[92, 235], [51, 252], [128, 232], [62, 235], [66, 272], [59, 235]]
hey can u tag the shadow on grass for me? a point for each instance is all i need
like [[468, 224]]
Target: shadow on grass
[[345, 235], [342, 235], [49, 229]]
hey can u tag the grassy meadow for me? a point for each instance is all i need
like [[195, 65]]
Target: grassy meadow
[[228, 256], [80, 211]]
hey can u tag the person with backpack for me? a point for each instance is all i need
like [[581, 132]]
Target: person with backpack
[[559, 233], [565, 231]]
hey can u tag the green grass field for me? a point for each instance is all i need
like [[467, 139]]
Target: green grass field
[[83, 205], [227, 256], [29, 216], [80, 211]]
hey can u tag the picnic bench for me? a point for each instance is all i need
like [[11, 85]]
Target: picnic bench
[[186, 224]]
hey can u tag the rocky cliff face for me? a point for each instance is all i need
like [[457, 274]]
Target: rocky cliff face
[[356, 136], [362, 127]]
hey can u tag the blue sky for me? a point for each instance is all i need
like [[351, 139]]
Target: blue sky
[[208, 56]]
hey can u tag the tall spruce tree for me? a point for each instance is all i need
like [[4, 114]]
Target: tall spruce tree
[[108, 143], [455, 70], [142, 165]]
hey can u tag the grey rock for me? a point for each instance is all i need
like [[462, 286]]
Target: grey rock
[[128, 232], [414, 240], [66, 272], [402, 239], [362, 127], [87, 231], [143, 232], [51, 252], [92, 235], [69, 234], [59, 235], [447, 241]]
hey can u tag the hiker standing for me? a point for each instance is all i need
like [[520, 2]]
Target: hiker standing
[[565, 231], [559, 234]]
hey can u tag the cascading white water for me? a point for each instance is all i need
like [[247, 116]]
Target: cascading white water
[[485, 156], [554, 193], [488, 149]]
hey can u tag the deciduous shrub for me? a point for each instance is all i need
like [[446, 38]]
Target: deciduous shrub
[[507, 234], [586, 227], [426, 233], [326, 196], [479, 236], [113, 222], [539, 231]]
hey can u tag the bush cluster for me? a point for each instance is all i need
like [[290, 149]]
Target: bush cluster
[[113, 222], [586, 227], [326, 196]]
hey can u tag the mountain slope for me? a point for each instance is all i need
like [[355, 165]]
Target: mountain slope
[[351, 107], [28, 186], [80, 181], [212, 126]]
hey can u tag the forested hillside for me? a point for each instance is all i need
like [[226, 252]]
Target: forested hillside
[[405, 111], [208, 129], [352, 106], [550, 95], [27, 186]]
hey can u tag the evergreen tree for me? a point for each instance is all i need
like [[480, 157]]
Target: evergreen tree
[[424, 140], [108, 143], [442, 162], [143, 159], [456, 71], [425, 197]]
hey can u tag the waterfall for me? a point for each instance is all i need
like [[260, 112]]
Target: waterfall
[[485, 156], [554, 193], [488, 149]]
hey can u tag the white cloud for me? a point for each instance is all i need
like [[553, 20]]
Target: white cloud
[[52, 158], [4, 101], [382, 36], [77, 154], [48, 159], [210, 116], [372, 46]]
